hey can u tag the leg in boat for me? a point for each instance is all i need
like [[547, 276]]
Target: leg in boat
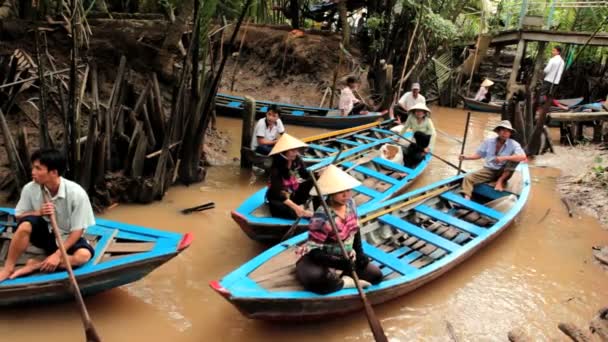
[[480, 176], [19, 243]]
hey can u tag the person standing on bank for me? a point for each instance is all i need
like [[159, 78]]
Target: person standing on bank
[[553, 72], [407, 101], [290, 184], [502, 155], [349, 104], [267, 131], [69, 204], [320, 255]]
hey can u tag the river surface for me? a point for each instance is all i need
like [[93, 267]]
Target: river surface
[[538, 273]]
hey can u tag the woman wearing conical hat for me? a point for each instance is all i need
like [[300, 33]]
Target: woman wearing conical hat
[[484, 94], [321, 255], [290, 183], [419, 121]]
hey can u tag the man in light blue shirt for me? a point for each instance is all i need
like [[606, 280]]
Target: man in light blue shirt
[[70, 205], [502, 154]]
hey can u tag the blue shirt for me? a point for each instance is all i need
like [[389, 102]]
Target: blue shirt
[[487, 150]]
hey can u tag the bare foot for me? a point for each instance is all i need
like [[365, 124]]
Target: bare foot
[[349, 283], [31, 266], [467, 197], [5, 273], [500, 186]]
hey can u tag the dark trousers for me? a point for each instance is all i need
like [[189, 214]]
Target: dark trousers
[[41, 237], [321, 279], [548, 88], [264, 149], [300, 196], [414, 153], [357, 108], [400, 113]]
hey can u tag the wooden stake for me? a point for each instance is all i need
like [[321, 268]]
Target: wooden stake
[[87, 163]]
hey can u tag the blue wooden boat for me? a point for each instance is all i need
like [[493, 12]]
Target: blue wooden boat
[[233, 106], [381, 179], [124, 253], [413, 238], [492, 107]]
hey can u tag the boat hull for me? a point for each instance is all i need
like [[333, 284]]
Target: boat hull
[[482, 106]]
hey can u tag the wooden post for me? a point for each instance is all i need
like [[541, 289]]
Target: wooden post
[[521, 50], [538, 65], [247, 130], [388, 88], [333, 85]]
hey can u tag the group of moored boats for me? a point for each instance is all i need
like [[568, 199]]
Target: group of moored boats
[[412, 237]]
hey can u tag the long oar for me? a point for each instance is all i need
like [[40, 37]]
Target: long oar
[[201, 207], [464, 141], [373, 321], [293, 227], [431, 153], [89, 329]]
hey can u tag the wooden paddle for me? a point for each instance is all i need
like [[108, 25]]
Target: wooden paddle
[[373, 321], [431, 153], [464, 141], [89, 328], [293, 227], [201, 207]]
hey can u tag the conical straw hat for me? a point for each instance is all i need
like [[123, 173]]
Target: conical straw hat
[[333, 180], [487, 83], [287, 142], [420, 106]]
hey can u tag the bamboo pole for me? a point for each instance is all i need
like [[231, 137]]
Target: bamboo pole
[[42, 112], [407, 56], [238, 57], [87, 162]]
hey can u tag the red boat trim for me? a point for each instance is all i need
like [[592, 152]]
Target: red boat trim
[[215, 285], [186, 241]]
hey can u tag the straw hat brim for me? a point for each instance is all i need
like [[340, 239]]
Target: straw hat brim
[[334, 180], [287, 142], [420, 106], [487, 83]]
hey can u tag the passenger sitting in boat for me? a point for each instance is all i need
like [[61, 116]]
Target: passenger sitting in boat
[[349, 104], [321, 256], [420, 123], [484, 94], [407, 101], [502, 155], [267, 131], [290, 183], [69, 204]]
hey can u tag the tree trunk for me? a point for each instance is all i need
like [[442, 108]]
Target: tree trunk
[[342, 11], [166, 58], [294, 11]]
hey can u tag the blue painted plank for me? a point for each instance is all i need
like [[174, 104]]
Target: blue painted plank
[[387, 259], [9, 224], [487, 191], [451, 220], [234, 104], [420, 233], [365, 137], [348, 142], [297, 112], [323, 148], [481, 209], [263, 109], [411, 257], [400, 251], [372, 173], [393, 166], [368, 191]]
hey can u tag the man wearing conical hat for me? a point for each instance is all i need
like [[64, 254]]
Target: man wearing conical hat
[[267, 131], [484, 94], [289, 184], [321, 255], [501, 154]]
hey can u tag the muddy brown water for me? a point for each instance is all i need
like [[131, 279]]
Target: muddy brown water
[[538, 273]]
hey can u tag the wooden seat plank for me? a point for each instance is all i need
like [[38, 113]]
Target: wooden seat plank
[[371, 173], [387, 259], [479, 208], [451, 220], [420, 233]]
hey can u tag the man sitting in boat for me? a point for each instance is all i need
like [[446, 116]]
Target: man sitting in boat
[[267, 131], [290, 182], [69, 204], [502, 155], [407, 101], [349, 104], [321, 256], [484, 94], [420, 123]]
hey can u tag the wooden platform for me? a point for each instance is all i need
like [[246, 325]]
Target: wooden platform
[[513, 36]]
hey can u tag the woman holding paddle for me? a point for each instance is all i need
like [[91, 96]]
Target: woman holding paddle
[[419, 121], [290, 184], [321, 255]]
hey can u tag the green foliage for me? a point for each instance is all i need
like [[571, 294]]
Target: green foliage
[[440, 28]]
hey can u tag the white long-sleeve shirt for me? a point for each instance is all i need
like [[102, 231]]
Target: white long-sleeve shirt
[[553, 70]]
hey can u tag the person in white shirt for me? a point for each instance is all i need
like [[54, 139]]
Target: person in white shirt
[[553, 72], [349, 104], [407, 101], [69, 205], [267, 131], [484, 94]]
